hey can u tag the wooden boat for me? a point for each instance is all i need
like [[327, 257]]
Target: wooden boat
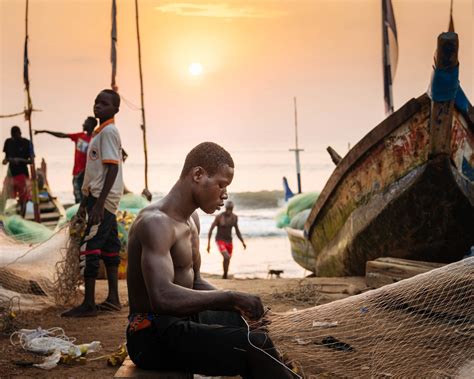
[[406, 190], [50, 208], [301, 249]]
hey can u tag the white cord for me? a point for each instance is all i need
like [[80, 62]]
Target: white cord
[[263, 351], [24, 336]]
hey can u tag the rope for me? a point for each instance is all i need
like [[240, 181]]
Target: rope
[[12, 115], [8, 315], [129, 104], [264, 352], [19, 113]]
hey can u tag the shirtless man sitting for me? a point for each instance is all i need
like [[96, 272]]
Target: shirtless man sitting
[[178, 321]]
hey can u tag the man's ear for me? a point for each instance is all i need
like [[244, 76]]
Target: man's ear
[[198, 172]]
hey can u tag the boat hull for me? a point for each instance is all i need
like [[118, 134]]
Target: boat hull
[[301, 249], [392, 197]]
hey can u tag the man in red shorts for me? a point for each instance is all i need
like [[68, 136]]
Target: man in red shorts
[[18, 154], [225, 221]]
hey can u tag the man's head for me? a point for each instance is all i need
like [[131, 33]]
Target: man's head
[[106, 105], [229, 207], [89, 124], [15, 132], [210, 168]]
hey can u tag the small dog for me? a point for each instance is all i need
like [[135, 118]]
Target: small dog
[[272, 272]]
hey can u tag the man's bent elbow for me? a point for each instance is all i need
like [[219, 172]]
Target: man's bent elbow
[[165, 305]]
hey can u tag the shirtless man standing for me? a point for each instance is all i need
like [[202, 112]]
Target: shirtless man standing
[[178, 321], [224, 222]]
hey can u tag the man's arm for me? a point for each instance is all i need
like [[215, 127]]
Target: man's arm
[[55, 134], [97, 213], [237, 231], [157, 235], [214, 224]]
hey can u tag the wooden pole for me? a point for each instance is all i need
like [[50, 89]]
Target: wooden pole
[[28, 113], [297, 150], [143, 125]]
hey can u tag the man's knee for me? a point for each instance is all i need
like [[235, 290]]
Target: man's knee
[[261, 340], [110, 259], [91, 268]]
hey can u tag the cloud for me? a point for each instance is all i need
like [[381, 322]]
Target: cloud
[[221, 10]]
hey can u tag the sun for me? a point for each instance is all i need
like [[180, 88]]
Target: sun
[[195, 69]]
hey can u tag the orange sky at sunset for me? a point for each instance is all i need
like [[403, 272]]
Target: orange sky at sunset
[[256, 55]]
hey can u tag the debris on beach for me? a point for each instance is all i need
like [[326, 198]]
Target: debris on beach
[[55, 344]]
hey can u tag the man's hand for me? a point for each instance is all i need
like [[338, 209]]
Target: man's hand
[[208, 248], [38, 131], [250, 306], [245, 246], [97, 214], [81, 212]]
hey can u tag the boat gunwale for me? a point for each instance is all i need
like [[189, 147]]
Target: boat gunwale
[[371, 139]]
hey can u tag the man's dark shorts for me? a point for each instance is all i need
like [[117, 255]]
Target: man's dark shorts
[[211, 343], [99, 242], [77, 181]]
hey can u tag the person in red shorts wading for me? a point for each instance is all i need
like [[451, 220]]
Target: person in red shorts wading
[[224, 222]]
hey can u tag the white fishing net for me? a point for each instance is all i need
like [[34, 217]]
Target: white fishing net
[[419, 327], [40, 274]]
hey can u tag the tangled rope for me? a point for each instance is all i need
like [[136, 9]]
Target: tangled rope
[[9, 310], [68, 277]]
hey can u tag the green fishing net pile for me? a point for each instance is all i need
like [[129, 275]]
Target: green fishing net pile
[[297, 210], [26, 231]]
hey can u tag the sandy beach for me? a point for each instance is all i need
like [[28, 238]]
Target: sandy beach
[[281, 295]]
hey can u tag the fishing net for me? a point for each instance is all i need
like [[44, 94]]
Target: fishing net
[[295, 206], [133, 203], [28, 271], [419, 327], [298, 221], [41, 267], [26, 231]]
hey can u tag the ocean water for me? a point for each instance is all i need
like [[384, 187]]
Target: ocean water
[[267, 247]]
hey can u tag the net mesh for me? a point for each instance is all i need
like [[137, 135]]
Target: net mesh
[[418, 327], [33, 272]]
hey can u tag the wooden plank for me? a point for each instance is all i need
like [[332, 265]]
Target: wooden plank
[[383, 271], [129, 370]]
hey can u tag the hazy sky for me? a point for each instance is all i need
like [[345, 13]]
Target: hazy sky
[[256, 55]]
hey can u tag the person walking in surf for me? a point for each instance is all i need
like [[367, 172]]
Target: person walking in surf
[[224, 222]]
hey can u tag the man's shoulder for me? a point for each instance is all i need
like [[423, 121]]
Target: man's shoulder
[[152, 217], [153, 224], [110, 129]]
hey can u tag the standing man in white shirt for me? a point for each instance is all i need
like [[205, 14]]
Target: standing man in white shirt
[[102, 189]]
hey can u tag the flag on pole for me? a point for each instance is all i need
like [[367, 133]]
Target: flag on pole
[[390, 52], [113, 49], [451, 21]]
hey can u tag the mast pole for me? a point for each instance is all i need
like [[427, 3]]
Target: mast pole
[[28, 113], [297, 149], [143, 125]]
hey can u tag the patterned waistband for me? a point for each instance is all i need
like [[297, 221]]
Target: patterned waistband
[[139, 321]]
